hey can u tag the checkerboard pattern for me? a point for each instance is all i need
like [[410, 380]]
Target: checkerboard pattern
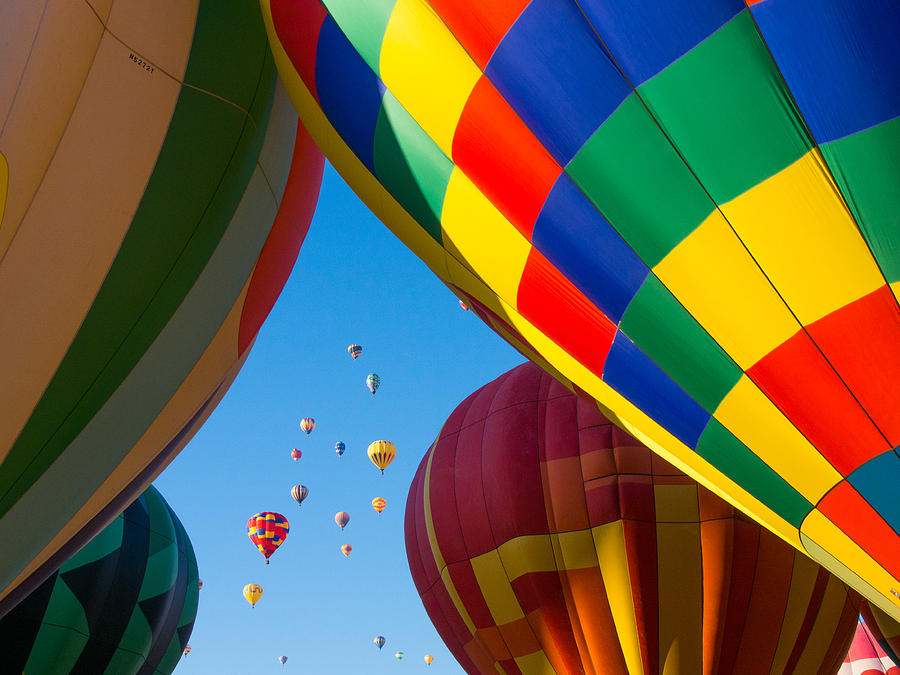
[[686, 209]]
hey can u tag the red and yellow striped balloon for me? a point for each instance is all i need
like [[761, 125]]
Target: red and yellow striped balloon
[[381, 453], [379, 504], [543, 539], [307, 424]]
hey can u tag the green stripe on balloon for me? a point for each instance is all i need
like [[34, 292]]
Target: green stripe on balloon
[[364, 25], [686, 352], [141, 293], [865, 167], [99, 617], [631, 173], [719, 447], [410, 165], [728, 110]]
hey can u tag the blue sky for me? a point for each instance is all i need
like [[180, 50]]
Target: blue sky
[[353, 282]]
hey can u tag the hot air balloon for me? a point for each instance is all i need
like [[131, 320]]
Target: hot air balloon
[[282, 660], [268, 531], [699, 232], [534, 516], [379, 642], [186, 650], [866, 657], [464, 306], [125, 603], [299, 493], [307, 424], [200, 584], [428, 659], [398, 656], [342, 518], [884, 629], [253, 592], [354, 351], [150, 213], [339, 448], [345, 549], [379, 504], [382, 453], [373, 382], [296, 455]]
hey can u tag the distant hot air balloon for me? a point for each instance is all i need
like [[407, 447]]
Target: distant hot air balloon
[[379, 503], [296, 454], [865, 656], [199, 584], [253, 592], [379, 642], [339, 448], [268, 531], [398, 656], [345, 549], [186, 650], [282, 660], [428, 659], [373, 382], [354, 351], [342, 518], [307, 424], [463, 305], [299, 493], [533, 517], [382, 453]]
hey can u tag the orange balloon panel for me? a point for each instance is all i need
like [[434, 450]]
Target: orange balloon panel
[[552, 541]]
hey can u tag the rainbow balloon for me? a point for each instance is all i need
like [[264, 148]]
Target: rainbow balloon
[[689, 215]]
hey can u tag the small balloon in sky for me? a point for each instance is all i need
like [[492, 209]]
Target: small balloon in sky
[[373, 382], [268, 531], [339, 448], [354, 351], [382, 453], [282, 660], [428, 659], [199, 583], [253, 592], [307, 424], [345, 549], [299, 493], [463, 305], [296, 455], [398, 656], [187, 650], [379, 641], [342, 518], [379, 503]]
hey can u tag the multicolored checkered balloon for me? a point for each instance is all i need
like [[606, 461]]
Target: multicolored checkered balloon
[[268, 531], [686, 210]]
